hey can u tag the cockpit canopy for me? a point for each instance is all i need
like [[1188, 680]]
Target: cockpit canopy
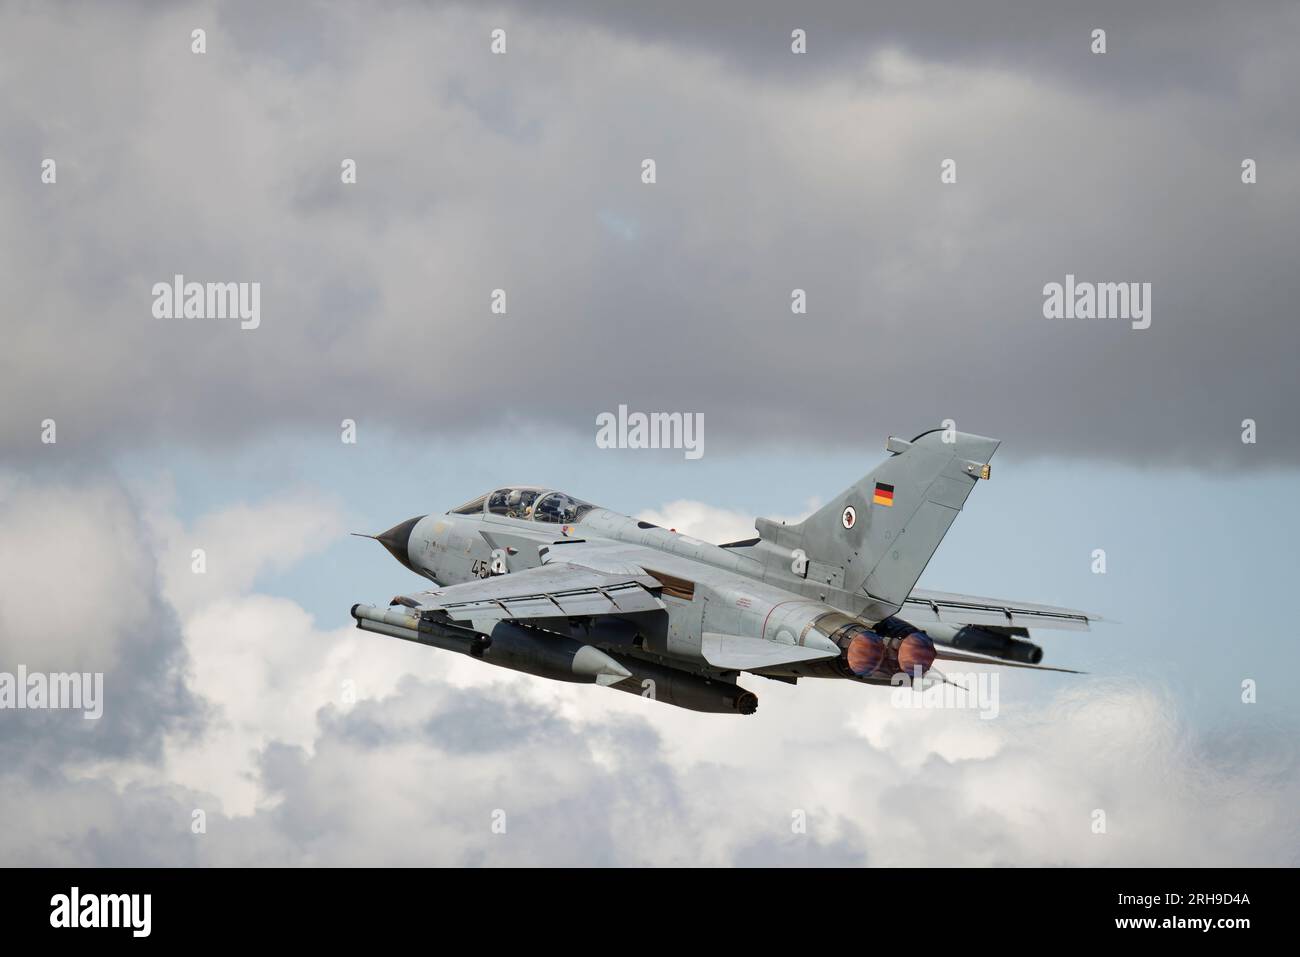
[[528, 503]]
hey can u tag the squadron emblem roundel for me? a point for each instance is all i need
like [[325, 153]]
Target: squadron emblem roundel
[[849, 517]]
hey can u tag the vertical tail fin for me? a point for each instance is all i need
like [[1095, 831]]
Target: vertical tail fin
[[882, 531]]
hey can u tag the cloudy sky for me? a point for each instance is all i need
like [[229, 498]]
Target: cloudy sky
[[245, 694]]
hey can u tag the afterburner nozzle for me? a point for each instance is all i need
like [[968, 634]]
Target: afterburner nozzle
[[916, 653], [865, 652]]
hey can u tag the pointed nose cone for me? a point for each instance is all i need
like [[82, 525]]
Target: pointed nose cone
[[398, 539]]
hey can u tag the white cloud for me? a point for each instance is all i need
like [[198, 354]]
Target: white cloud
[[417, 777], [239, 543], [77, 584]]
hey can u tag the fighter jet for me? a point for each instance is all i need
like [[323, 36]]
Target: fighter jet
[[535, 580]]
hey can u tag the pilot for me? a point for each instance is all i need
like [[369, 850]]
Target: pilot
[[515, 507]]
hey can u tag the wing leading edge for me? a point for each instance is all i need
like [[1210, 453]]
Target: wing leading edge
[[554, 590]]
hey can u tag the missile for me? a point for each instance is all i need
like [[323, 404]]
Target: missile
[[550, 655], [508, 645], [396, 623]]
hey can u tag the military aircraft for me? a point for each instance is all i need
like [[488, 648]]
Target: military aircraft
[[535, 580]]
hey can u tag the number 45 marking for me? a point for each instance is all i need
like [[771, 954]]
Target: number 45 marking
[[496, 565]]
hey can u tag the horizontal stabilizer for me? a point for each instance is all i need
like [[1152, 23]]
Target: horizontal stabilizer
[[735, 653]]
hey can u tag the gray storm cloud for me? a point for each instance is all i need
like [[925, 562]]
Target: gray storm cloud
[[522, 172]]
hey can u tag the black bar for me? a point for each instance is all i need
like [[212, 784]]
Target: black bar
[[332, 907]]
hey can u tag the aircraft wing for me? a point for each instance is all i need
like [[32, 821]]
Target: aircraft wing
[[554, 590], [931, 607]]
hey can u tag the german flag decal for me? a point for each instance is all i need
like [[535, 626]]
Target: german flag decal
[[884, 495]]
